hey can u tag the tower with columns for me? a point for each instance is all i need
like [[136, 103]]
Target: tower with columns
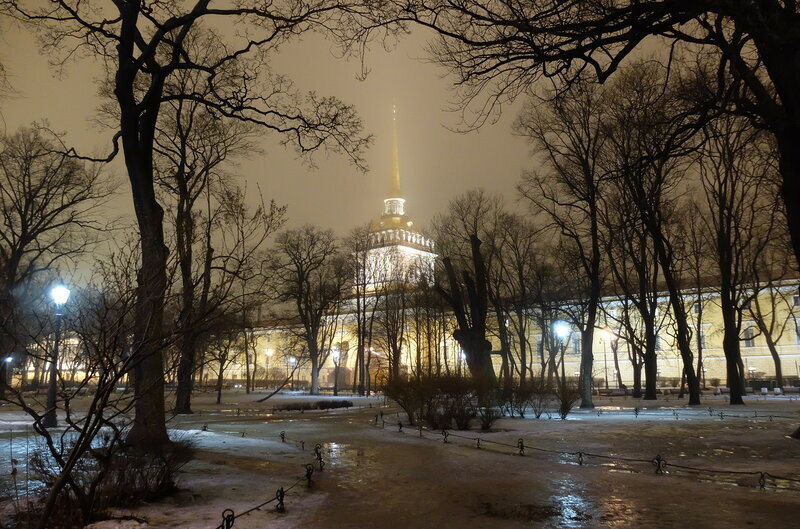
[[399, 252]]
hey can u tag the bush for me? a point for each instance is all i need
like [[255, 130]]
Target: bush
[[318, 405], [458, 394], [541, 395], [439, 401], [519, 397], [333, 404], [490, 411], [567, 395], [109, 475]]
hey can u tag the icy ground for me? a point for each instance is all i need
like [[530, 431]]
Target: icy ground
[[378, 478]]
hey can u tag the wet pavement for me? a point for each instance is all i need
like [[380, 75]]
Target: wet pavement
[[379, 478]]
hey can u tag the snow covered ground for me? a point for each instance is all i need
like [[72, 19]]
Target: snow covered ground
[[377, 477]]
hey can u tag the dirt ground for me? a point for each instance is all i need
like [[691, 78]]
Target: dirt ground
[[377, 477]]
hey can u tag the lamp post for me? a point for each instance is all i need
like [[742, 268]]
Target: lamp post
[[292, 362], [270, 352], [607, 335], [562, 331], [60, 295], [336, 356]]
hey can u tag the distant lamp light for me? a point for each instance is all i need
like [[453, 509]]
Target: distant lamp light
[[8, 359], [463, 356], [608, 335], [60, 294], [561, 329], [336, 355], [292, 360], [270, 352]]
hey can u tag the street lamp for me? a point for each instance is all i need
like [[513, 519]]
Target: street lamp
[[60, 295], [292, 362], [270, 352], [336, 356], [607, 335], [562, 331]]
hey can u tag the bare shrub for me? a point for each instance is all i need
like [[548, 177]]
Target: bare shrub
[[567, 394], [541, 395], [459, 394], [439, 401], [489, 411], [403, 392], [520, 397], [110, 474]]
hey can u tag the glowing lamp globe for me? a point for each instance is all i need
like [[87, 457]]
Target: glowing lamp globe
[[561, 329], [60, 294]]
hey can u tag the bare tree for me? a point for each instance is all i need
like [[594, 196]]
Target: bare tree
[[309, 274], [469, 300], [394, 312], [224, 349], [634, 268], [568, 131], [771, 278], [48, 206], [470, 218], [499, 49], [698, 274], [740, 191], [142, 47], [651, 132], [80, 457], [515, 260], [364, 299]]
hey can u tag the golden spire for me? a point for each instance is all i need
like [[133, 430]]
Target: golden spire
[[394, 188]]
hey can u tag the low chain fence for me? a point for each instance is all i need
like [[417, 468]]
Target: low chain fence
[[229, 517], [756, 478]]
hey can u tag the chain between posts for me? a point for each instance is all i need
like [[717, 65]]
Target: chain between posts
[[228, 515], [658, 462]]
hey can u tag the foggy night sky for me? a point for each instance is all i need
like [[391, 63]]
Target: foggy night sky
[[435, 163]]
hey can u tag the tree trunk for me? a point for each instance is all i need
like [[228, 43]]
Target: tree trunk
[[773, 351], [186, 365], [587, 361], [678, 311], [637, 380], [650, 361], [137, 128], [730, 346], [314, 374], [219, 382], [478, 352], [149, 429], [618, 372]]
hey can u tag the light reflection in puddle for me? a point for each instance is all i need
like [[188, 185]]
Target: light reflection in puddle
[[573, 509]]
